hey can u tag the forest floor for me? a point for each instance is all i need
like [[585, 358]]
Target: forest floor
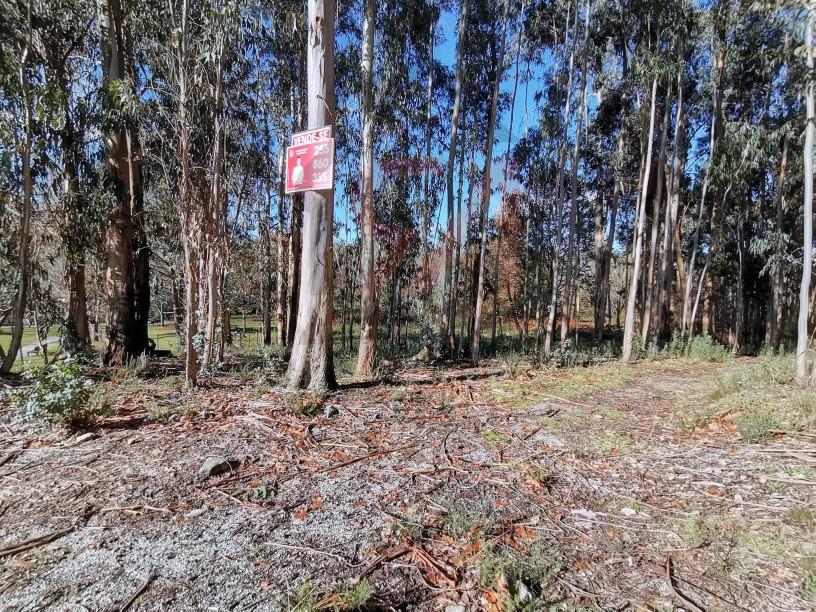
[[455, 488]]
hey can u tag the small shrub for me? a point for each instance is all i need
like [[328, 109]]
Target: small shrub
[[515, 363], [525, 574], [808, 586], [726, 385], [611, 441], [697, 531], [304, 403], [307, 599], [705, 348], [58, 393], [757, 425], [464, 519], [800, 516]]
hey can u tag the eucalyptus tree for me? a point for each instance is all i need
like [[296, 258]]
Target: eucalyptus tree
[[368, 286], [447, 325], [127, 272], [802, 337], [311, 363], [20, 83], [495, 70]]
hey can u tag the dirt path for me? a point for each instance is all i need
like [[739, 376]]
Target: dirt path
[[461, 487]]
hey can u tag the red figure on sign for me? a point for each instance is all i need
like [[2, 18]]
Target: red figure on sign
[[310, 161]]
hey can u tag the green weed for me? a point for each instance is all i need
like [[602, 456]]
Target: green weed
[[57, 393], [525, 574], [610, 441]]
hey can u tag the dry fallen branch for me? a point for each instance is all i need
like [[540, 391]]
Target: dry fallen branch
[[343, 464], [33, 542], [683, 599], [138, 592]]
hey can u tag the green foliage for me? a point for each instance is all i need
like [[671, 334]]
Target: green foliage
[[307, 598], [57, 393], [463, 519], [756, 426], [763, 398], [611, 441], [698, 531], [304, 403], [808, 586], [525, 574], [705, 348], [515, 362], [800, 516]]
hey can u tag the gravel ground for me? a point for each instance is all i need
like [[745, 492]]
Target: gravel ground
[[603, 478]]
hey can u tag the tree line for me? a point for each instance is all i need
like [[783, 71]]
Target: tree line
[[578, 171]]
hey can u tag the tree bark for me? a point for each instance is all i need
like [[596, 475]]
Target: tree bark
[[629, 321], [126, 333], [777, 291], [802, 338], [651, 284], [559, 207], [485, 200], [566, 299], [281, 312], [23, 249], [311, 363], [368, 284], [448, 327], [665, 276]]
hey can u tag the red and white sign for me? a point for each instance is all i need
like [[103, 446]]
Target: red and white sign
[[310, 161]]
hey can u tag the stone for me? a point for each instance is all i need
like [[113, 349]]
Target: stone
[[523, 594], [213, 466], [330, 410], [454, 608]]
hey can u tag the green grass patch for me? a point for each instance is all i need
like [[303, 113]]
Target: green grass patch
[[611, 442], [760, 399]]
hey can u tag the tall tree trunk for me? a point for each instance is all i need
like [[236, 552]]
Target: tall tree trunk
[[485, 200], [665, 276], [368, 285], [566, 302], [559, 207], [425, 269], [651, 283], [281, 311], [777, 291], [125, 339], [688, 321], [294, 277], [23, 248], [448, 325], [311, 363], [454, 290], [503, 189], [802, 338], [629, 321]]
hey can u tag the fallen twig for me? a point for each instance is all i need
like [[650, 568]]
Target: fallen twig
[[138, 592], [33, 542], [342, 464], [383, 558], [316, 551], [683, 599]]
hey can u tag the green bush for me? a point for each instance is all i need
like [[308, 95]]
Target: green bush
[[705, 348], [57, 393], [756, 426], [526, 573]]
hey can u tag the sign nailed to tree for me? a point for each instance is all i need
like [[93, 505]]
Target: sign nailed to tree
[[310, 161]]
